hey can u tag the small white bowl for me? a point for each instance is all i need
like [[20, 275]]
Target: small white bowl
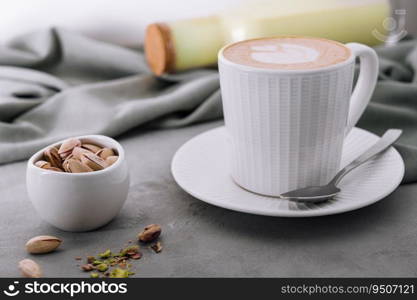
[[79, 201]]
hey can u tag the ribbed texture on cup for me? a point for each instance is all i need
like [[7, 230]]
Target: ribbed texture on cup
[[286, 130]]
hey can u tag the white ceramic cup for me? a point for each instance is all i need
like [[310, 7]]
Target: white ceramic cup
[[287, 126], [79, 201]]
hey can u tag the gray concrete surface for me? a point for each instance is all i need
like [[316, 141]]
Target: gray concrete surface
[[203, 240]]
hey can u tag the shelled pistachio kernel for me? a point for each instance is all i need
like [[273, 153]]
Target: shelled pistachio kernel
[[102, 267], [105, 254], [120, 273]]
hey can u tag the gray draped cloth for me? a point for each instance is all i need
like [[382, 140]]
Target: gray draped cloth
[[56, 84]]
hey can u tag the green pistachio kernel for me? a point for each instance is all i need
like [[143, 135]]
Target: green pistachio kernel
[[105, 254], [130, 249], [119, 273], [110, 261], [94, 275], [102, 267]]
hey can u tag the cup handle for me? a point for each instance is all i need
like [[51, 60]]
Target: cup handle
[[365, 85]]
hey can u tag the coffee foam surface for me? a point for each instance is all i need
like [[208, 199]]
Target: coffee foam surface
[[288, 53]]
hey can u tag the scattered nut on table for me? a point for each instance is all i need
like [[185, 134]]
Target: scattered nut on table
[[30, 269], [150, 233], [42, 244], [157, 247]]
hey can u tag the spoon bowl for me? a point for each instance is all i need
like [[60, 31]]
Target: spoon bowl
[[314, 194], [321, 193]]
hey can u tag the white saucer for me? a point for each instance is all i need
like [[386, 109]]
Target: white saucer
[[201, 168]]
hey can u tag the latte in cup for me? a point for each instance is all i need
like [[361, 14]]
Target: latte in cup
[[287, 53], [288, 105]]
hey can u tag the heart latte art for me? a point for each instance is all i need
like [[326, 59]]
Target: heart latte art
[[287, 53], [283, 54]]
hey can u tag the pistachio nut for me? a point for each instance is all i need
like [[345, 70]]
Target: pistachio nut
[[93, 161], [43, 164], [52, 156], [65, 165], [30, 269], [150, 233], [42, 244], [91, 147], [105, 152], [68, 157], [67, 146], [77, 151], [75, 166], [65, 161], [111, 160]]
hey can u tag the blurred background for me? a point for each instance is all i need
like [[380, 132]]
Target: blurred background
[[123, 22]]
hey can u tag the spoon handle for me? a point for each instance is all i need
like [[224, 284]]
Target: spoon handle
[[389, 137]]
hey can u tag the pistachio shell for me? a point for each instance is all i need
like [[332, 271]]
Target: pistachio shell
[[52, 156], [43, 164], [67, 158], [93, 161], [105, 152], [111, 160], [87, 267], [30, 269], [65, 165], [67, 147], [150, 233], [77, 151], [42, 244], [75, 166], [157, 247], [91, 147]]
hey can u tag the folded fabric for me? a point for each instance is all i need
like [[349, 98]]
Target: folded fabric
[[56, 84]]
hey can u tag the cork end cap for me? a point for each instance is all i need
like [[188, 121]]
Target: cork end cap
[[159, 50]]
